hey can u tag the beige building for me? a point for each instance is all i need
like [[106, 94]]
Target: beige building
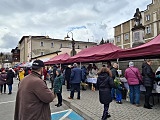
[[35, 46], [123, 35]]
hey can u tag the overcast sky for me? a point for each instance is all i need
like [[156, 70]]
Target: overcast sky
[[87, 19]]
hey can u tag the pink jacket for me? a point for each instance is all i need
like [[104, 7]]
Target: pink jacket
[[132, 79]]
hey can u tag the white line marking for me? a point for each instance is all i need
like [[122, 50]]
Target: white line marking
[[6, 102], [69, 112], [60, 111]]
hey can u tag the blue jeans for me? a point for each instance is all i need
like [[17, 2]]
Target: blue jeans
[[118, 97], [134, 94], [10, 88]]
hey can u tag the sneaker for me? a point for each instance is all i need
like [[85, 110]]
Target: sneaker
[[137, 105], [78, 98], [108, 116], [119, 102]]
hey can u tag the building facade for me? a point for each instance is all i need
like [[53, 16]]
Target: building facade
[[34, 46], [123, 35]]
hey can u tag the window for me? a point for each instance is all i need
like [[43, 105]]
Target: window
[[42, 53], [126, 36], [118, 39], [41, 44], [147, 17], [52, 45], [136, 36], [148, 29]]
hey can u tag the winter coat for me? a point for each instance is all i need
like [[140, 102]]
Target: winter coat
[[33, 98], [104, 85], [68, 74], [76, 75], [58, 81], [133, 76], [21, 74], [10, 76], [3, 77], [148, 75]]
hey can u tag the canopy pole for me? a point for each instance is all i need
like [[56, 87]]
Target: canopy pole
[[118, 62], [60, 66], [80, 65]]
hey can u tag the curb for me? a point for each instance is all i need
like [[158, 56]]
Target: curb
[[83, 114]]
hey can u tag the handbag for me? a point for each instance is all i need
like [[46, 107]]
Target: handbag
[[140, 82]]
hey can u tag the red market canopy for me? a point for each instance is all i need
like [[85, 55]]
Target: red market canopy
[[57, 59], [102, 52], [150, 49]]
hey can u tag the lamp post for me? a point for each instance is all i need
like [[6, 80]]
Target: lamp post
[[73, 52]]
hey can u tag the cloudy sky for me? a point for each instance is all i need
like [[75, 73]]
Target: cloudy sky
[[87, 19]]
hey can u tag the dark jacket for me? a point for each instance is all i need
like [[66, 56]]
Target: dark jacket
[[3, 77], [68, 74], [10, 76], [104, 84], [58, 81], [114, 72], [76, 75], [148, 75], [33, 98]]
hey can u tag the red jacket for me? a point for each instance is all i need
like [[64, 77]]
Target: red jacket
[[133, 75]]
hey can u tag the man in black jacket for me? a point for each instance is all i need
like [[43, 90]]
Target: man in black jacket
[[148, 79], [114, 75]]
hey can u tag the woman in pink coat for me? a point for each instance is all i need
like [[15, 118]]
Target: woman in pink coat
[[133, 77]]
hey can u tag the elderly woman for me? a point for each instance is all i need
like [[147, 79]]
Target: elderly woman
[[104, 85]]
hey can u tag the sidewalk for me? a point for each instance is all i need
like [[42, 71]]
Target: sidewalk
[[90, 108]]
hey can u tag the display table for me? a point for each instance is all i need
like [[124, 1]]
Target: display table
[[92, 80]]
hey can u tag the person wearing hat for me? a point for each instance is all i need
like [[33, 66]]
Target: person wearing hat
[[58, 81], [134, 78], [33, 96]]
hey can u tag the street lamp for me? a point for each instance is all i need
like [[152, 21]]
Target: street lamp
[[73, 52]]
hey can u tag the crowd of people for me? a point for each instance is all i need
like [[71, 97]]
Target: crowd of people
[[75, 78]]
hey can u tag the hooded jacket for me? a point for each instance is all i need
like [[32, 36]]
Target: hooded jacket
[[104, 85], [58, 81], [10, 75]]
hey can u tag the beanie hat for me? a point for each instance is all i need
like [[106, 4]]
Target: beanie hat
[[131, 64], [59, 71], [37, 64]]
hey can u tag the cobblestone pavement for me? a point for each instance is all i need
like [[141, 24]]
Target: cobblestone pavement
[[89, 105]]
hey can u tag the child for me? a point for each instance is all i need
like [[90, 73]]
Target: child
[[119, 89], [58, 81]]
